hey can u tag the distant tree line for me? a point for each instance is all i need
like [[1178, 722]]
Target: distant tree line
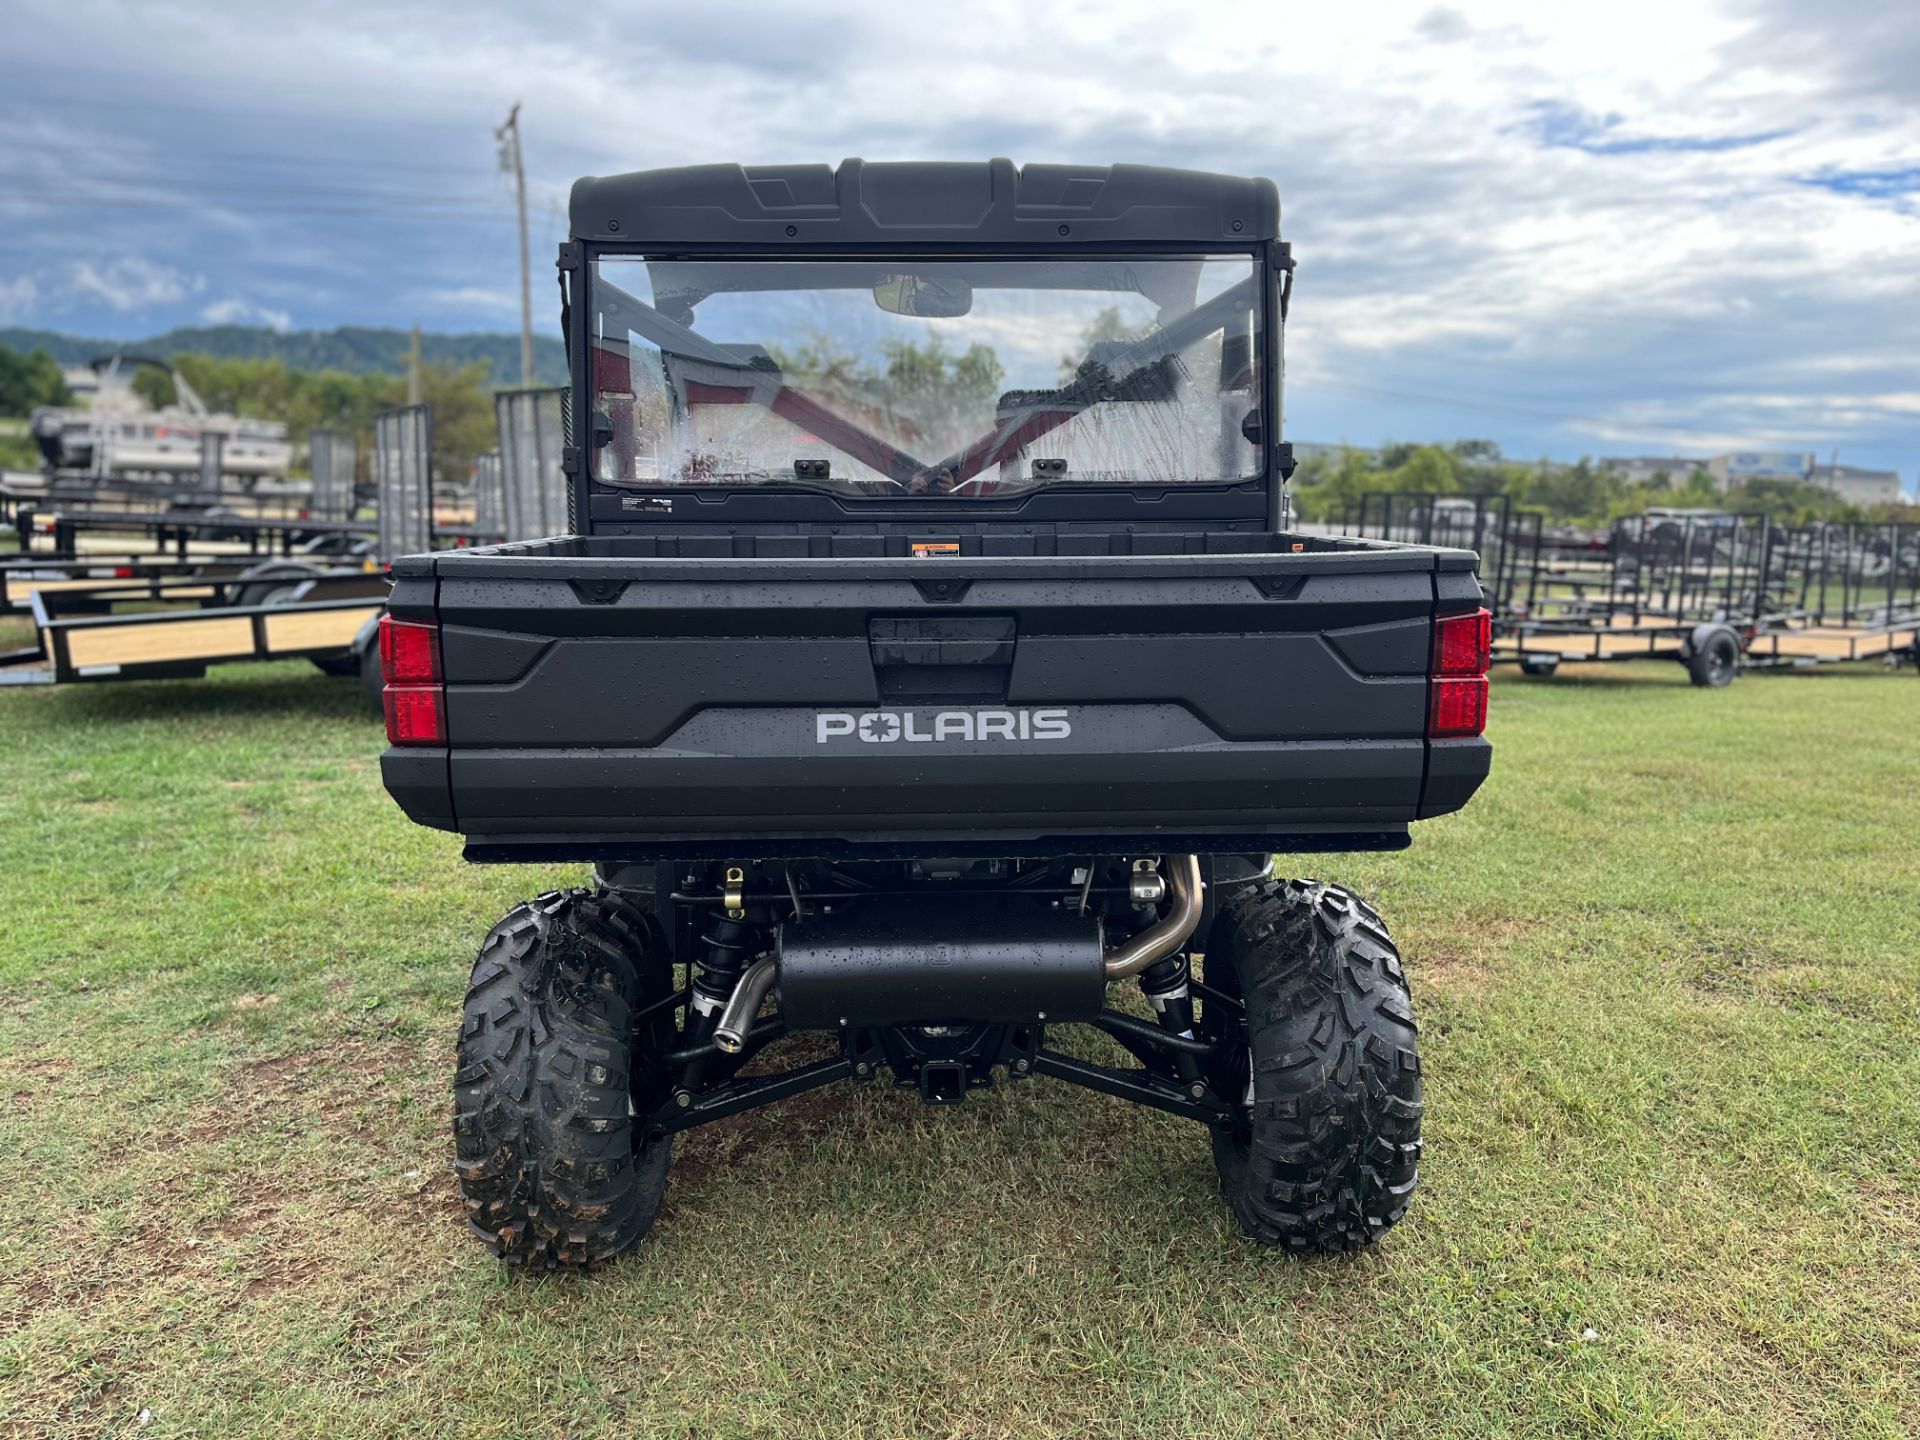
[[306, 400], [1587, 492], [356, 349], [28, 381]]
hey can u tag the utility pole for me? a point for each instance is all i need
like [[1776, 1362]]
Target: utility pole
[[413, 366], [508, 135]]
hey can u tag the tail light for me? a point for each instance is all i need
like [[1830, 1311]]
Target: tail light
[[415, 697], [1457, 689]]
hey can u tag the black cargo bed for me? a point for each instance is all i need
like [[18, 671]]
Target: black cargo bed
[[604, 699]]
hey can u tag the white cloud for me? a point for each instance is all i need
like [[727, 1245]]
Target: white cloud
[[18, 297], [496, 300], [134, 283], [235, 311], [1654, 208]]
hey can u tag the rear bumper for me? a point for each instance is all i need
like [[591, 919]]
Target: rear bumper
[[524, 804]]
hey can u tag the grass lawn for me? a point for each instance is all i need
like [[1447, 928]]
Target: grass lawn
[[1668, 971]]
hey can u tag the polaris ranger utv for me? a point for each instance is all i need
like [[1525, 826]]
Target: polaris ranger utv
[[932, 661]]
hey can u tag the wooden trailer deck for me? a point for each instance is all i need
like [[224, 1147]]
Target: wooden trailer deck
[[177, 644], [1817, 643]]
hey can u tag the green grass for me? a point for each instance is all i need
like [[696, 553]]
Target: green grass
[[1667, 967]]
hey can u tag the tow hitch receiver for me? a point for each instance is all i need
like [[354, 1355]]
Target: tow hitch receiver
[[943, 1082]]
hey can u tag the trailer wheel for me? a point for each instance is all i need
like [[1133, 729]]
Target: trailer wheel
[[555, 1081], [272, 582], [1324, 1150], [1713, 659], [1541, 668]]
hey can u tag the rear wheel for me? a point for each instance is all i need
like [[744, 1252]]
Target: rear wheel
[[1324, 1150], [556, 1080]]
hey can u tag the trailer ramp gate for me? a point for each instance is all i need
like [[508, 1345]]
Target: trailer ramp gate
[[532, 438]]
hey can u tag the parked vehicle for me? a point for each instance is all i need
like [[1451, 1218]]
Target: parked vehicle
[[117, 435], [907, 684]]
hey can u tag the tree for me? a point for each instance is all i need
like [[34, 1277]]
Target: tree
[[29, 381], [1106, 328], [155, 387], [945, 396], [463, 417], [926, 391]]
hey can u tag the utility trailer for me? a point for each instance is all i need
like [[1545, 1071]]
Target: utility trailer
[[154, 624], [904, 684], [315, 618], [93, 532], [1840, 592], [1682, 587]]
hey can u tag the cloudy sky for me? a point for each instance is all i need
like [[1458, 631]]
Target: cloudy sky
[[1637, 228]]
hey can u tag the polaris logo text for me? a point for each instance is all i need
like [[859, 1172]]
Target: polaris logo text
[[886, 727]]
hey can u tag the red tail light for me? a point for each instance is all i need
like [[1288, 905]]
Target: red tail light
[[123, 572], [1457, 707], [409, 653], [1457, 691], [416, 714], [1463, 644], [415, 698]]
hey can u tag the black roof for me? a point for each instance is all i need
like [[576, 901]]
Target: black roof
[[924, 202]]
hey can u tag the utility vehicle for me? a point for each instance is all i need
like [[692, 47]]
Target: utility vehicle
[[933, 667]]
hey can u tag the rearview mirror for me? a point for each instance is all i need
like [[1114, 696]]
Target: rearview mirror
[[923, 296]]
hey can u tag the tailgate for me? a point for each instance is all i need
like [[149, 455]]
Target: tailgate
[[598, 706]]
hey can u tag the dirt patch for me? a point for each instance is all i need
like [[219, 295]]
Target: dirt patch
[[1447, 970], [1464, 958], [327, 1066]]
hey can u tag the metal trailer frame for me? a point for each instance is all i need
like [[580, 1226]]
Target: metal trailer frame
[[1876, 616], [205, 534], [82, 643], [1664, 589], [1791, 597], [1673, 584], [20, 581]]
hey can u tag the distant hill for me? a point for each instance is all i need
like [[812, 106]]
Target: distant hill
[[355, 348]]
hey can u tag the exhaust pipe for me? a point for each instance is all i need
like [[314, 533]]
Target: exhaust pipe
[[1160, 940], [1151, 945], [730, 1035]]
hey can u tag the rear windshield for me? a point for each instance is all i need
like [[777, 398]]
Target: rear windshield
[[961, 378]]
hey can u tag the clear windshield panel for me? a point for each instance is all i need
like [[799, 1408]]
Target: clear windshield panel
[[962, 378]]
